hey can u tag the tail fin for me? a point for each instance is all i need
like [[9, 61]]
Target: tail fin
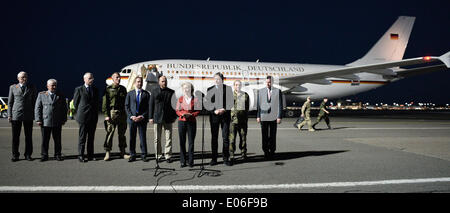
[[391, 45]]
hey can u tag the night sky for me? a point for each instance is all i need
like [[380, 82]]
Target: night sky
[[65, 39]]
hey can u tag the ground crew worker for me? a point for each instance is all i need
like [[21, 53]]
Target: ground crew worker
[[115, 116], [306, 109], [239, 121], [323, 114], [71, 109]]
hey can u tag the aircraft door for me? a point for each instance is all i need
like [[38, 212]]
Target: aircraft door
[[151, 76]]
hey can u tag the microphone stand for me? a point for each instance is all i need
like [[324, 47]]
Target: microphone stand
[[202, 170], [157, 167]]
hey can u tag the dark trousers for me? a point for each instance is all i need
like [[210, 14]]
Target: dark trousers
[[16, 127], [86, 131], [225, 137], [269, 136], [142, 128], [189, 128], [46, 133]]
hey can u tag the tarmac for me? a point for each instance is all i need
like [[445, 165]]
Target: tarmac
[[378, 153]]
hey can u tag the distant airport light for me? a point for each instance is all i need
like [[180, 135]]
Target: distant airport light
[[427, 58]]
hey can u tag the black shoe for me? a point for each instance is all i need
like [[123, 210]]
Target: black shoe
[[191, 165], [169, 160], [92, 159], [81, 159], [14, 159], [183, 165], [59, 158], [329, 127], [271, 155], [132, 158], [28, 158], [244, 157], [44, 158], [144, 159], [228, 162], [213, 163]]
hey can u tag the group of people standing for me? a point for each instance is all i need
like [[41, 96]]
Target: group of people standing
[[228, 111]]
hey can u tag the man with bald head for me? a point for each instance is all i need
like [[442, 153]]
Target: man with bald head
[[162, 115], [86, 103], [21, 100]]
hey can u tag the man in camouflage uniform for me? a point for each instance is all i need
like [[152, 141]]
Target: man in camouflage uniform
[[323, 114], [239, 120], [115, 116], [306, 109]]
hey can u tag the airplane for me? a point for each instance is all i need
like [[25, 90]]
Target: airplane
[[378, 67]]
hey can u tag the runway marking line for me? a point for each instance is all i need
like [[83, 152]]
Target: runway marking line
[[216, 187], [292, 128]]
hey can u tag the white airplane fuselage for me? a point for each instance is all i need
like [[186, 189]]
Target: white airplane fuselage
[[253, 76]]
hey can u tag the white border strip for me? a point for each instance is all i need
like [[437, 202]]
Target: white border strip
[[292, 128], [214, 187]]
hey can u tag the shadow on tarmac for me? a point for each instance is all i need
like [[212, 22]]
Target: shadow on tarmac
[[333, 128], [287, 156], [251, 158]]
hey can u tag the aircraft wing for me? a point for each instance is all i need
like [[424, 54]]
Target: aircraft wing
[[420, 70], [348, 72]]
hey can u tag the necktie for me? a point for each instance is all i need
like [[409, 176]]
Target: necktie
[[88, 89], [138, 97], [22, 88], [53, 96], [269, 94]]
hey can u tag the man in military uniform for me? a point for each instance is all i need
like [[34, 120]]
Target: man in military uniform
[[239, 120], [115, 116], [306, 109], [323, 114], [50, 115]]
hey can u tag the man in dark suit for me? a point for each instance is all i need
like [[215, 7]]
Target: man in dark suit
[[269, 113], [50, 115], [136, 106], [21, 100], [162, 114], [86, 103], [219, 101]]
